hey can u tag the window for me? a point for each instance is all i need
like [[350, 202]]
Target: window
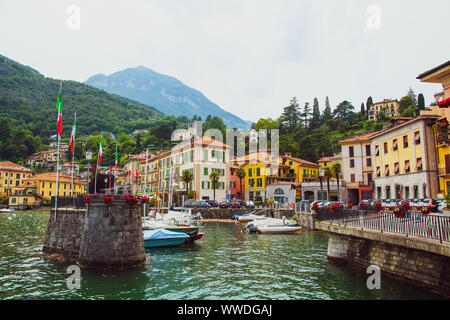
[[377, 151], [386, 170], [351, 152], [379, 192], [407, 167], [369, 178], [205, 155], [385, 147], [290, 163], [258, 172], [352, 178], [406, 192], [419, 164], [250, 172], [352, 163], [205, 171], [259, 182], [369, 162], [405, 142], [417, 137], [18, 176], [232, 185], [279, 191], [396, 168], [395, 145], [388, 192], [251, 183], [378, 172], [416, 192], [368, 150]]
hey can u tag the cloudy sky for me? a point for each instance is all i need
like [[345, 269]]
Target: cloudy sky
[[249, 57]]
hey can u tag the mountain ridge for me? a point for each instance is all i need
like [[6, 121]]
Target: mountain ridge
[[165, 93]]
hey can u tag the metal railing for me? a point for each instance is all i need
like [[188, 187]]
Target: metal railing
[[432, 226]]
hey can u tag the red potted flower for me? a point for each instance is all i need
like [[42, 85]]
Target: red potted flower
[[350, 205], [398, 212], [108, 199], [425, 210], [405, 206], [87, 199], [131, 200], [144, 199], [315, 207], [377, 206]]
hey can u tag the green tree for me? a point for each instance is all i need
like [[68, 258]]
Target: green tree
[[214, 177], [291, 115], [187, 178], [344, 111], [315, 120], [328, 175], [327, 114], [305, 114], [336, 169], [407, 106], [421, 102], [240, 173]]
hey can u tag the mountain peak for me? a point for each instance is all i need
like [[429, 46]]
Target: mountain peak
[[165, 93]]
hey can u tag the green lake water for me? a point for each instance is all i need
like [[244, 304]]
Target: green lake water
[[225, 264]]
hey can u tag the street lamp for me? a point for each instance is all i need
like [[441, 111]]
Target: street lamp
[[321, 175], [88, 157]]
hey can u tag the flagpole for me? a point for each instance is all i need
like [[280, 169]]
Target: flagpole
[[57, 162], [96, 169], [145, 183], [73, 155]]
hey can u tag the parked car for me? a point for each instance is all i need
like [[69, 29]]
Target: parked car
[[213, 203], [224, 204], [433, 203], [441, 205], [236, 204], [249, 205], [202, 204], [189, 204]]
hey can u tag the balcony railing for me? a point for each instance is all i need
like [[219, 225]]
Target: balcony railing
[[444, 171]]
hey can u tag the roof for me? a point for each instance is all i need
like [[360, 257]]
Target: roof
[[325, 159], [51, 176], [408, 121], [207, 141], [263, 157], [385, 101], [360, 138], [302, 161], [11, 166], [427, 73]]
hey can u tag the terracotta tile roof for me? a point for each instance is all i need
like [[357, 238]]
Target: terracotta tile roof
[[360, 138], [11, 166], [51, 176], [207, 141], [263, 157], [302, 161], [325, 159], [426, 73]]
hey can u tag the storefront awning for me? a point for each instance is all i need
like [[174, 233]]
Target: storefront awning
[[444, 103]]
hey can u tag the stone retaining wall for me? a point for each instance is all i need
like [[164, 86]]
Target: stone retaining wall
[[422, 268]]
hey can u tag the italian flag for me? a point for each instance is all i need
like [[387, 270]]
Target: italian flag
[[72, 136], [116, 162], [137, 169], [59, 125], [129, 165], [100, 150]]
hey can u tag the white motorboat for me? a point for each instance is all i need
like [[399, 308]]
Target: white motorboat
[[7, 210], [273, 226], [249, 217]]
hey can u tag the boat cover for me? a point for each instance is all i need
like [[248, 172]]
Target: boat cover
[[161, 234]]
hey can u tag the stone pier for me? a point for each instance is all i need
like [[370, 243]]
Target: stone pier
[[105, 236]]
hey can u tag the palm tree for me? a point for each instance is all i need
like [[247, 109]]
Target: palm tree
[[187, 177], [328, 175], [240, 173], [214, 177], [336, 169]]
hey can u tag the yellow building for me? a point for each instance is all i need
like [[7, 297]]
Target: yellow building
[[263, 169], [45, 185], [388, 106], [24, 196], [11, 176], [441, 74], [405, 160]]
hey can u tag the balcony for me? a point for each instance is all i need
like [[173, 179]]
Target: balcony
[[444, 171]]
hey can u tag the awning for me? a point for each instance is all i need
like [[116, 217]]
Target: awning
[[386, 170], [378, 171], [394, 145], [444, 103], [419, 163], [406, 165], [377, 150]]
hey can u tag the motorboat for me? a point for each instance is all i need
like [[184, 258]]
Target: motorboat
[[7, 210], [248, 217], [151, 224], [163, 238], [273, 226]]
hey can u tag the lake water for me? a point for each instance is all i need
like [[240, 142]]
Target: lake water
[[224, 264]]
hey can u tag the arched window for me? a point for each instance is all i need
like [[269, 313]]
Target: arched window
[[279, 191]]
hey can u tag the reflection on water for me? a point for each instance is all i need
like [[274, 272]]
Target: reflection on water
[[224, 264]]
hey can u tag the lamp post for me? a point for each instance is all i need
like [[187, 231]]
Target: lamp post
[[88, 157], [321, 175]]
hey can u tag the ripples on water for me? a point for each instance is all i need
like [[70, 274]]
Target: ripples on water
[[224, 264]]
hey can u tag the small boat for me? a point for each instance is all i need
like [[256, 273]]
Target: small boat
[[163, 238], [278, 229], [197, 237], [151, 224], [250, 217], [7, 210]]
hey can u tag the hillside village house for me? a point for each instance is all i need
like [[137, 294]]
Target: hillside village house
[[405, 160], [46, 159], [357, 167], [11, 176], [390, 108], [201, 157]]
